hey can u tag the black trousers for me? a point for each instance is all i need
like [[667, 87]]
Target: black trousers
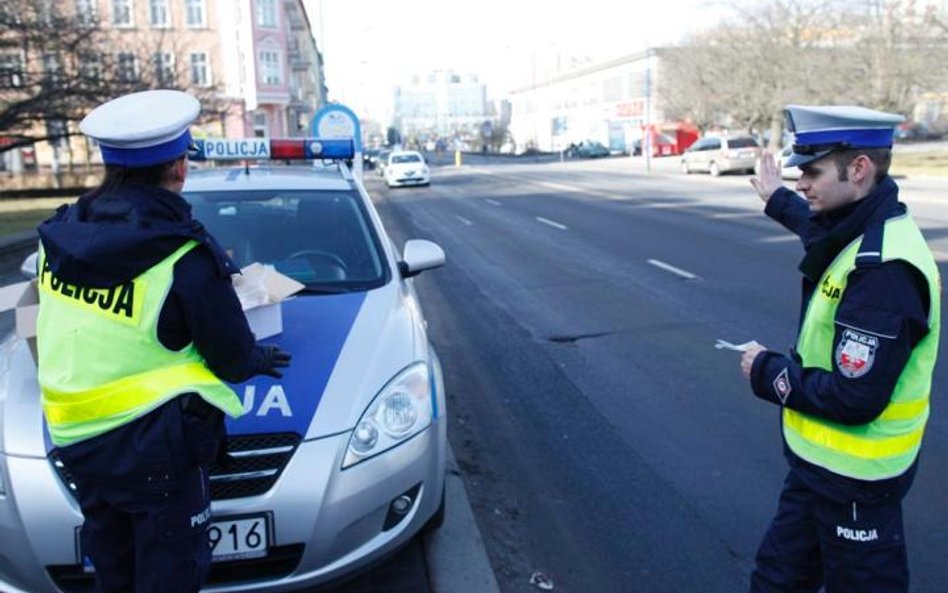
[[144, 493], [845, 546]]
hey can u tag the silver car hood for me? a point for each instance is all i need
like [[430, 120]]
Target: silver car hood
[[21, 416]]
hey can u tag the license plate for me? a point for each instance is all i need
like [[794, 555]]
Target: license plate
[[234, 539], [231, 539]]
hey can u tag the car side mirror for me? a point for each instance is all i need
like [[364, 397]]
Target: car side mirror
[[420, 255], [28, 268]]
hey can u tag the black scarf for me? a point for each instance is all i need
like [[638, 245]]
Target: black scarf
[[881, 203]]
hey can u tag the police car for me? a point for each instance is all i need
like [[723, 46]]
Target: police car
[[338, 463]]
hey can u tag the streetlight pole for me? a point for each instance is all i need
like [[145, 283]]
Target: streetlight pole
[[647, 140]]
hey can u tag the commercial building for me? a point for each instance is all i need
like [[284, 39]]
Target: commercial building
[[440, 104], [610, 102]]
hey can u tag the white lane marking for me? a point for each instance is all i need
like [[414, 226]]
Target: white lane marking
[[464, 220], [778, 239], [553, 224], [672, 269], [560, 186], [727, 215], [492, 202]]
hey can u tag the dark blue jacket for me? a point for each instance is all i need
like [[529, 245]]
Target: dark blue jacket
[[109, 237], [891, 299]]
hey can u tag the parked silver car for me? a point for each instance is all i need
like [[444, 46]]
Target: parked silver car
[[723, 154]]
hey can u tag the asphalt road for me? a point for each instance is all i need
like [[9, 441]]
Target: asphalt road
[[602, 439]]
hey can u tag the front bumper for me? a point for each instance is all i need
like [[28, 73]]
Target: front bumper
[[325, 522], [408, 180]]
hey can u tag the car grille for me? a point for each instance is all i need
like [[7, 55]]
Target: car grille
[[256, 463]]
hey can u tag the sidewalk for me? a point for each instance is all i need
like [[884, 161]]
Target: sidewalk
[[457, 560]]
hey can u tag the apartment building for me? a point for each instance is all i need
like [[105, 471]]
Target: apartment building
[[254, 64]]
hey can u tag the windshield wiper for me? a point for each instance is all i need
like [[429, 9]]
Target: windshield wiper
[[324, 289]]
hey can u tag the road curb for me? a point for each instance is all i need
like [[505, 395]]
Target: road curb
[[455, 553], [17, 241]]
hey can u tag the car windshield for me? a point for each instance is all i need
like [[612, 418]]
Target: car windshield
[[742, 143], [320, 238], [406, 158]]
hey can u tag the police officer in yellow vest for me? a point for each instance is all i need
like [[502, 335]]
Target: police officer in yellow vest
[[854, 391], [138, 329]]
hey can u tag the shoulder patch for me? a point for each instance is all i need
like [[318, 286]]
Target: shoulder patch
[[782, 385], [855, 353]]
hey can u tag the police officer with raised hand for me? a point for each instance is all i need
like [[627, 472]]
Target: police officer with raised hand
[[854, 391], [139, 326]]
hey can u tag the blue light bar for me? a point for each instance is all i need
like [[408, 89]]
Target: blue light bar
[[228, 149]]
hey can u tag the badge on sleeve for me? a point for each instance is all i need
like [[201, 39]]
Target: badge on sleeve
[[782, 385], [855, 353]]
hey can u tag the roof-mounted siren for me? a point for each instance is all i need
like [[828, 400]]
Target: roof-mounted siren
[[257, 149], [338, 121]]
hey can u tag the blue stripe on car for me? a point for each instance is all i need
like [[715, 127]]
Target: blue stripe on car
[[314, 330]]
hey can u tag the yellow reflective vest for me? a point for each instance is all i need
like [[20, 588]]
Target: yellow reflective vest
[[888, 445], [100, 363]]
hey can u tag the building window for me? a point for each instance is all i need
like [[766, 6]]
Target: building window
[[266, 13], [637, 84], [260, 124], [52, 70], [164, 69], [122, 13], [11, 70], [85, 12], [90, 66], [612, 89], [127, 67], [160, 15], [270, 67], [195, 13], [200, 73]]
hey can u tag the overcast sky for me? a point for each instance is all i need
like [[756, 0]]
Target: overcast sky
[[371, 45]]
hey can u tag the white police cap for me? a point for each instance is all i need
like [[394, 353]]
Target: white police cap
[[821, 129], [143, 129]]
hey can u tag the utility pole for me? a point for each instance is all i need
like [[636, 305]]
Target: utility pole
[[647, 140]]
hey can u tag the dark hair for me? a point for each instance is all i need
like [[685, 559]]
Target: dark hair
[[117, 175], [881, 158]]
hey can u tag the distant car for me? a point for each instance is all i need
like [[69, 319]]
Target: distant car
[[370, 158], [780, 158], [916, 131], [381, 161], [717, 155], [589, 149], [406, 167]]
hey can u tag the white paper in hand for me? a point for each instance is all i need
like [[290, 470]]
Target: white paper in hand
[[725, 345]]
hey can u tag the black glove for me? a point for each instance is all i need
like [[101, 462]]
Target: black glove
[[274, 359]]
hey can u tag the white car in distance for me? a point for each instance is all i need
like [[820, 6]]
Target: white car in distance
[[406, 167]]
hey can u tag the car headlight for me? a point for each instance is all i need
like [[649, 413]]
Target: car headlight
[[401, 410], [424, 170]]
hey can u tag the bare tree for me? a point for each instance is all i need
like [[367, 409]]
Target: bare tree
[[742, 72], [900, 52], [51, 71], [56, 65]]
